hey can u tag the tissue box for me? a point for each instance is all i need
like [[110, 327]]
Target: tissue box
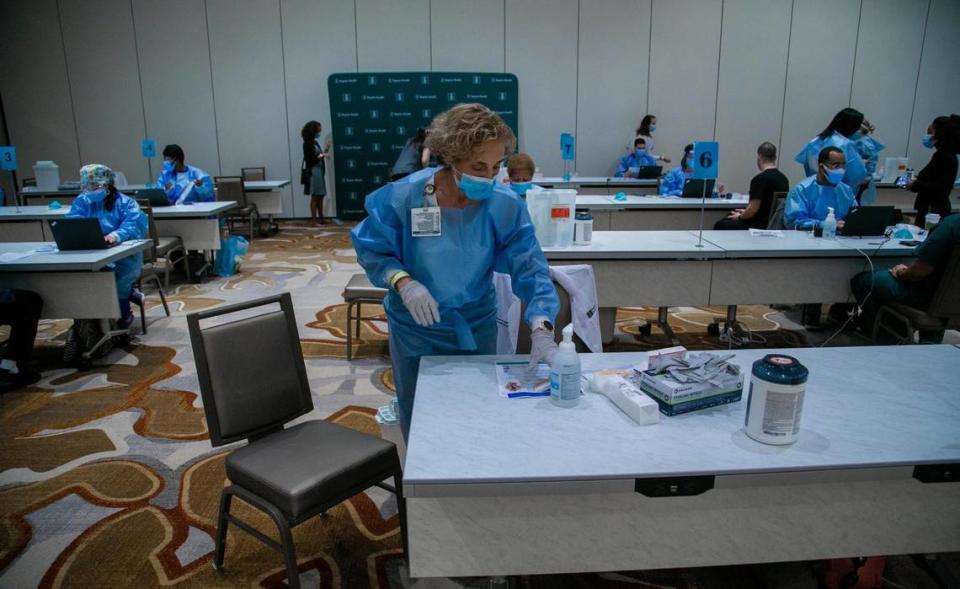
[[675, 398]]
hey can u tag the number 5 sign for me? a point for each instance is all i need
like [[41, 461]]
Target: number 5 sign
[[706, 159]]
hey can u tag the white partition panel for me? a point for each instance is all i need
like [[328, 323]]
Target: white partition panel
[[175, 72], [35, 89], [105, 85], [753, 61], [684, 57], [319, 39], [393, 35], [248, 85], [823, 40], [467, 36], [612, 90], [938, 85], [542, 51], [888, 55]]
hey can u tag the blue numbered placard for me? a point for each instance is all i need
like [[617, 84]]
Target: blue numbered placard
[[706, 159], [568, 147], [148, 148], [8, 158]]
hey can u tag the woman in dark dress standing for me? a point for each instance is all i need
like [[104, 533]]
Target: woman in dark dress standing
[[935, 181], [314, 175]]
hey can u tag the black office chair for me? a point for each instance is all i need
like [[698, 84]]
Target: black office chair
[[253, 381], [776, 210]]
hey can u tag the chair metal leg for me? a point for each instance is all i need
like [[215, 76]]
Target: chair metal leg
[[663, 316], [359, 317], [402, 512], [223, 520], [289, 552], [349, 331], [163, 298]]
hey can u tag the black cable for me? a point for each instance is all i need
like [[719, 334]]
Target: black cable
[[861, 304]]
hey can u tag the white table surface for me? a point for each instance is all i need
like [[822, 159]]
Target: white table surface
[[645, 245], [604, 180], [798, 244], [249, 185], [80, 260], [659, 202], [864, 407], [199, 209]]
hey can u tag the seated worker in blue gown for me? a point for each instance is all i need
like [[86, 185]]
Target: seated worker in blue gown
[[183, 184], [672, 183], [121, 220], [913, 284], [434, 240], [840, 134], [520, 170], [807, 202], [631, 163]]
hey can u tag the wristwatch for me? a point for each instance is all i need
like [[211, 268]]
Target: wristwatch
[[543, 324]]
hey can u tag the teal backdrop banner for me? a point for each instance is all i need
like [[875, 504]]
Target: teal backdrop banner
[[374, 114]]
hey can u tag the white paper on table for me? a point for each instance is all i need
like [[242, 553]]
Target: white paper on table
[[8, 257], [516, 377], [186, 192], [766, 233]]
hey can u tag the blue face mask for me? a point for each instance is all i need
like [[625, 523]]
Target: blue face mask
[[167, 166], [653, 127], [96, 195], [834, 176], [641, 152], [928, 141], [521, 188], [688, 163], [475, 187]]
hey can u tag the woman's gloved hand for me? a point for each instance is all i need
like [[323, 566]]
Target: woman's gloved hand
[[542, 347], [420, 303]]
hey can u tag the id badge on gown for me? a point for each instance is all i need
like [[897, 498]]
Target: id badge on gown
[[425, 220]]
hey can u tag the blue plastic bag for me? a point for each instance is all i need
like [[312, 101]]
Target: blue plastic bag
[[232, 250]]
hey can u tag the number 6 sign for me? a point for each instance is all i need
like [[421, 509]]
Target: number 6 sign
[[706, 159]]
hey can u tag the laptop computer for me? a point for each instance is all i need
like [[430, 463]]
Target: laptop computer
[[649, 172], [78, 234], [155, 196], [694, 188], [867, 222]]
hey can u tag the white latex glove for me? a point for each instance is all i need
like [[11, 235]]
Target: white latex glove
[[420, 303], [542, 347]]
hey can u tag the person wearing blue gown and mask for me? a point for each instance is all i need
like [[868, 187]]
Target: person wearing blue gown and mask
[[632, 162], [807, 202], [672, 183], [434, 239], [520, 170], [183, 184], [869, 149], [839, 133], [121, 220]]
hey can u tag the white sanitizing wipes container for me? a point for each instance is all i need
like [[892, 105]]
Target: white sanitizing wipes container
[[47, 174], [776, 399]]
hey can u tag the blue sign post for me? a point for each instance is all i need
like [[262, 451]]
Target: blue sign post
[[706, 164]]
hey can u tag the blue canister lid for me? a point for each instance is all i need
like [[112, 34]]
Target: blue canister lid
[[780, 369], [583, 216]]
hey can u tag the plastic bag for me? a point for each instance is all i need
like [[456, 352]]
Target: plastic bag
[[232, 250]]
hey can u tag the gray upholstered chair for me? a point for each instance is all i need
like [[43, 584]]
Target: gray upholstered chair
[[253, 382], [149, 270], [776, 210], [259, 173], [231, 188], [359, 290], [166, 245]]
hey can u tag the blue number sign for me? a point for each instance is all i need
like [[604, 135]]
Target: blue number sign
[[568, 147], [706, 159]]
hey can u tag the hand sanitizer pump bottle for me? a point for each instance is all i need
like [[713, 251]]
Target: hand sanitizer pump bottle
[[565, 372], [830, 225]]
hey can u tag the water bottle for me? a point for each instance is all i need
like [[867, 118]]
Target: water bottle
[[565, 372], [830, 225]]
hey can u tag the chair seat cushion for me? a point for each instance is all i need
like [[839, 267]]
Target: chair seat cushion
[[918, 317], [242, 211], [310, 463], [165, 244], [359, 287]]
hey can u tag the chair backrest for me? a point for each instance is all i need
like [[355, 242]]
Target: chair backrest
[[28, 182], [150, 254], [776, 210], [564, 316], [253, 173], [946, 299], [231, 188], [120, 179], [251, 371]]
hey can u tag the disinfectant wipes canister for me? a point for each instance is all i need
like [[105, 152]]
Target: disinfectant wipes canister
[[776, 399]]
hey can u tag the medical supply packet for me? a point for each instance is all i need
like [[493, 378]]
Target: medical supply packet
[[516, 380], [695, 381]]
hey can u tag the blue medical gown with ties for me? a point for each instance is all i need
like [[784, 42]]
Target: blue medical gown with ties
[[869, 149], [180, 182], [807, 203], [856, 171], [632, 160], [457, 267], [672, 183], [128, 222]]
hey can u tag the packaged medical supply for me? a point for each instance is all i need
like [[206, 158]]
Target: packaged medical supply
[[775, 402], [562, 216], [656, 357], [565, 372], [583, 227], [696, 381], [626, 395]]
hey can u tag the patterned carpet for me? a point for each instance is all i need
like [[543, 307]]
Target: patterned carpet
[[107, 478]]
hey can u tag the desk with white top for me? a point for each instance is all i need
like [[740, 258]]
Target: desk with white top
[[657, 212], [498, 486], [196, 224], [601, 184], [74, 284], [265, 193]]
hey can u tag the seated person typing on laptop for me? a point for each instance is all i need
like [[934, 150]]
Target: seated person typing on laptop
[[763, 187], [121, 220], [632, 162], [183, 184], [807, 202]]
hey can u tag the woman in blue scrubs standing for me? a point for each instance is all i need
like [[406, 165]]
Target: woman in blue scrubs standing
[[434, 239]]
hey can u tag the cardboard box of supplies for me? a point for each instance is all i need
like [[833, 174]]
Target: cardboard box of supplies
[[675, 397]]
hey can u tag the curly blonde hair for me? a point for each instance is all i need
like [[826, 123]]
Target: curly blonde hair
[[455, 134]]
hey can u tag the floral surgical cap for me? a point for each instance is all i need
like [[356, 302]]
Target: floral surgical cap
[[96, 174]]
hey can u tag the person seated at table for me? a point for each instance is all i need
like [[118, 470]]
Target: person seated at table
[[672, 183], [121, 220], [20, 309], [807, 202], [631, 163], [520, 170], [763, 187], [913, 284], [182, 183]]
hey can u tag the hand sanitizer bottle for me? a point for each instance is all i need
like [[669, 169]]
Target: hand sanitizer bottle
[[830, 225], [565, 372]]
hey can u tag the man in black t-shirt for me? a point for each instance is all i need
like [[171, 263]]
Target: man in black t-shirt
[[764, 185]]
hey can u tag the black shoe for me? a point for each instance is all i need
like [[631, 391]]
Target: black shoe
[[10, 382], [125, 322]]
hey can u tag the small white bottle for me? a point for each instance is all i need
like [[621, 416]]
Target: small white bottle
[[565, 372], [830, 225]]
